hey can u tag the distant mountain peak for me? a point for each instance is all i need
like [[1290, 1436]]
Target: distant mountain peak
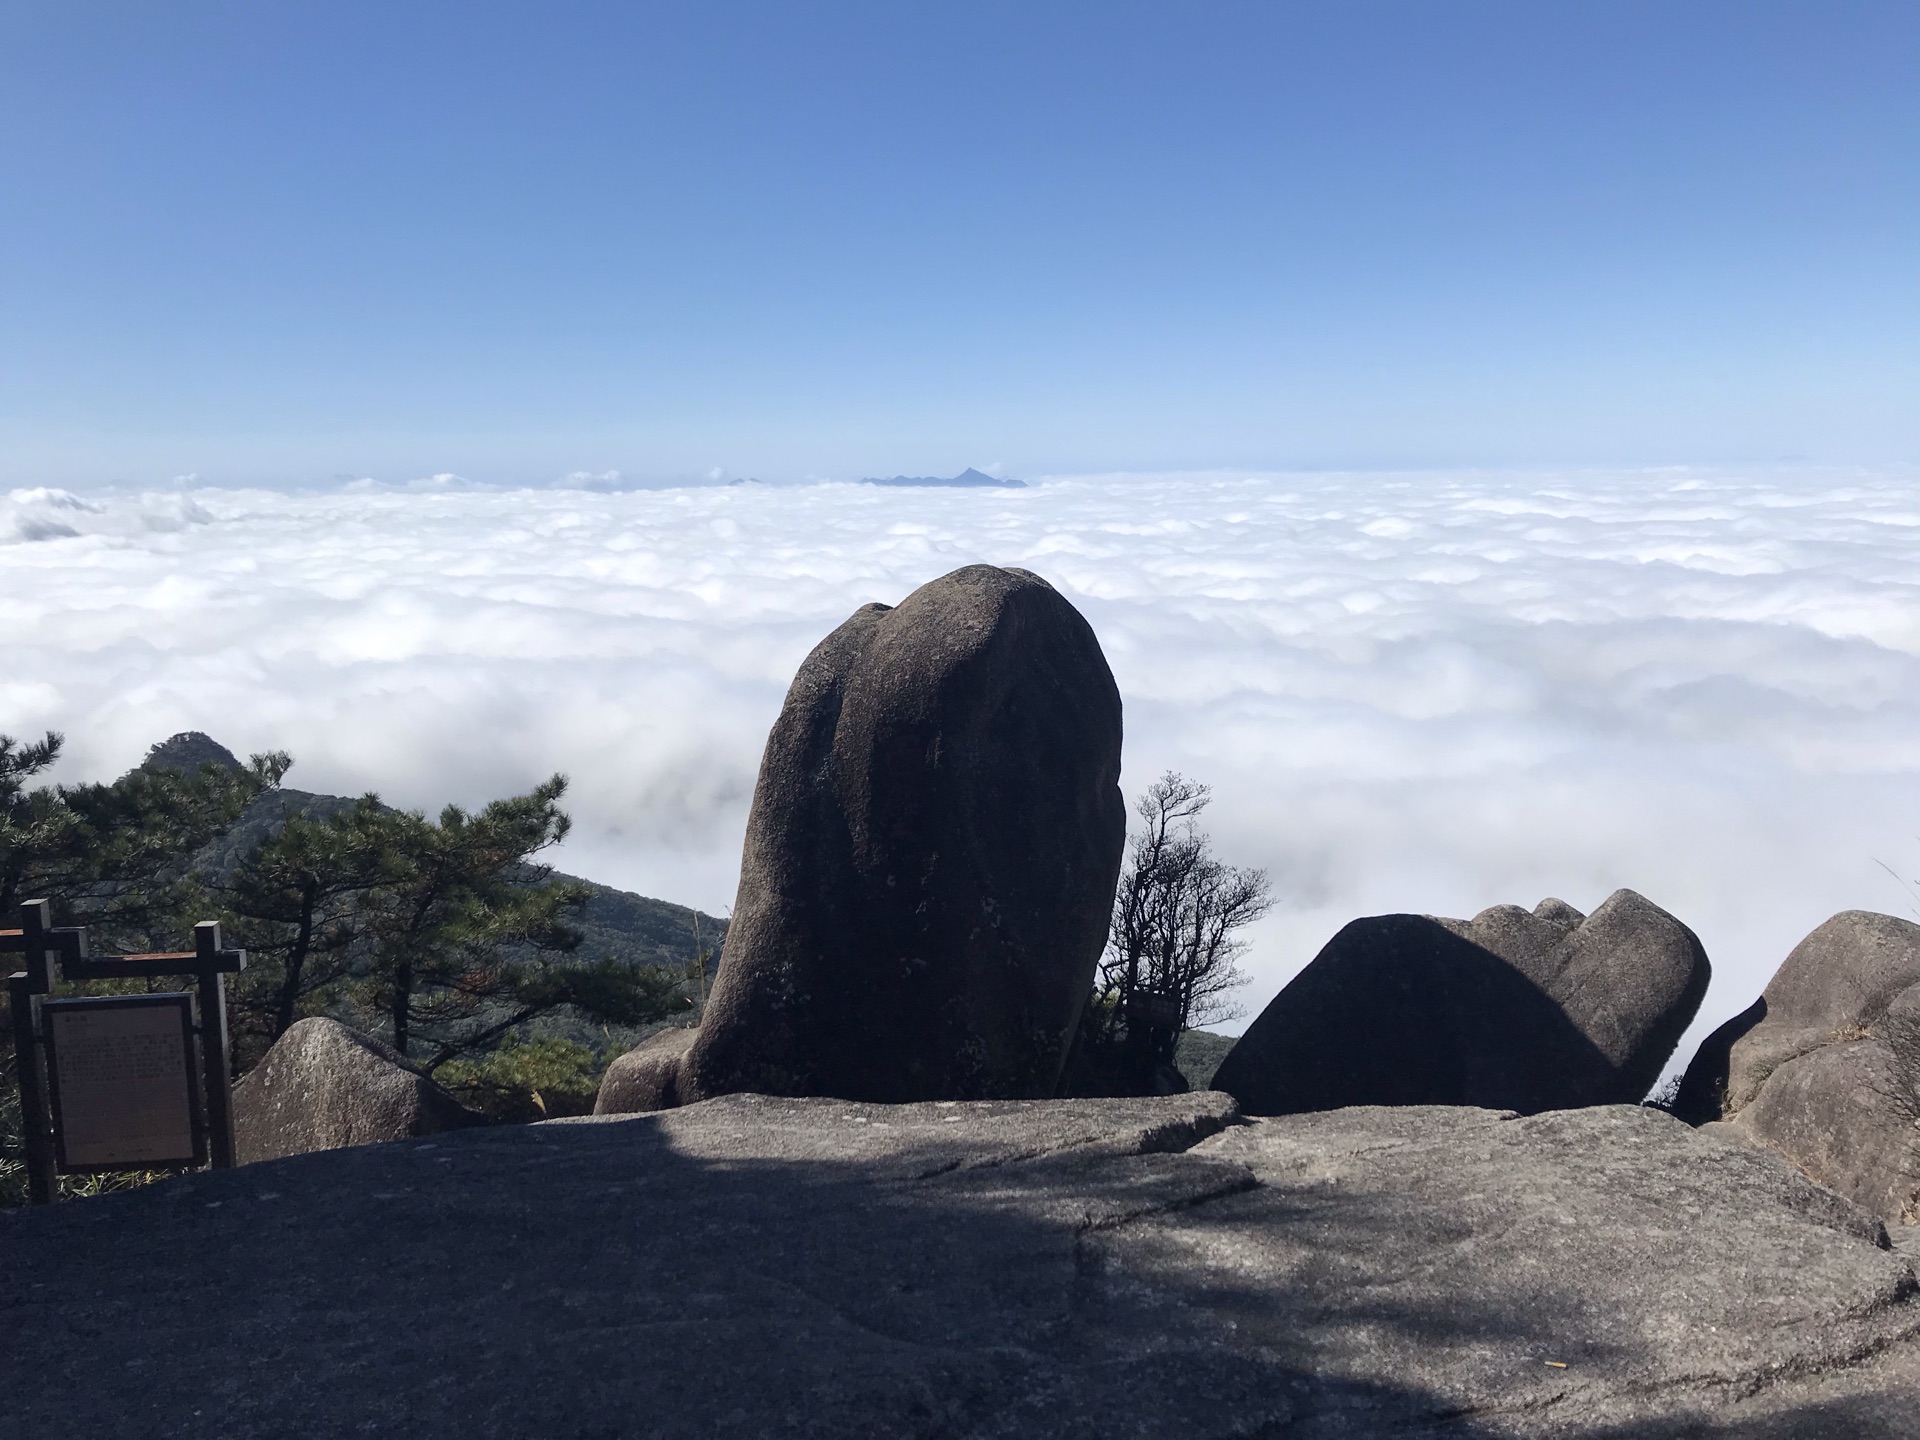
[[188, 751], [968, 478]]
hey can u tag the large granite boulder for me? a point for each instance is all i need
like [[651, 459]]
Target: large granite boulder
[[1086, 1269], [1518, 1010], [930, 858], [1824, 1068], [325, 1087]]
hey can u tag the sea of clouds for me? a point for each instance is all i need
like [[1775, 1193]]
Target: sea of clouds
[[1419, 692]]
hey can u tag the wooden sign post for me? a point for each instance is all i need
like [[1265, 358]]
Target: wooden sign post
[[119, 1082]]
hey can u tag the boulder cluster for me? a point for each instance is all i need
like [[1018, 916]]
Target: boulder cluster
[[924, 891], [1422, 1197], [1517, 1010]]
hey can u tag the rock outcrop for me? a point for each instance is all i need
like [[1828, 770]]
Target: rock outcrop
[[930, 856], [1075, 1268], [325, 1087], [1825, 1067], [188, 751], [647, 1077], [1514, 1010]]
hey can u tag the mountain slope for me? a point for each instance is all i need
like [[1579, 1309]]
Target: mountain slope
[[966, 479], [617, 924]]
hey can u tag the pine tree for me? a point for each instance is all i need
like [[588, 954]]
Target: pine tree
[[117, 857], [448, 930], [293, 902]]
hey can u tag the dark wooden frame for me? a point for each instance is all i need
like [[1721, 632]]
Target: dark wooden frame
[[209, 963], [181, 1003], [1156, 1009]]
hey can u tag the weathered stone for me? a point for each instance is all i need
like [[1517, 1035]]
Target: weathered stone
[[1461, 1251], [1835, 984], [930, 856], [1629, 977], [1514, 1010], [1825, 1067], [929, 1139], [647, 1077], [324, 1087], [1838, 1113], [757, 1266]]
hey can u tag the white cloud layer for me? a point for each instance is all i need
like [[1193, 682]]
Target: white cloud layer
[[1417, 692]]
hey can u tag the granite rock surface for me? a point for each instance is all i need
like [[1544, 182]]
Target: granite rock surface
[[1156, 1267], [930, 856], [324, 1086], [1824, 1068], [1514, 1009], [647, 1077]]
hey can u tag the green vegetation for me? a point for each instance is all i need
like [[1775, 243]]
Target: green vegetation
[[530, 1079], [443, 934], [117, 858], [1199, 1054], [509, 983]]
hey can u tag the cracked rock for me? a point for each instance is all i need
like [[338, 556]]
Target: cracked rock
[[758, 1266]]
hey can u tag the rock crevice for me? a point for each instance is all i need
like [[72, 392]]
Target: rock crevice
[[978, 1271]]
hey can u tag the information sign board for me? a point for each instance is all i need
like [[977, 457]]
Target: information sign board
[[123, 1082], [1154, 1009]]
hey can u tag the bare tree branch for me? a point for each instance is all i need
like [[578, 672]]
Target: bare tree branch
[[1174, 939]]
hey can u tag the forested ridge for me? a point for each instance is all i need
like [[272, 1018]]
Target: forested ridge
[[509, 982]]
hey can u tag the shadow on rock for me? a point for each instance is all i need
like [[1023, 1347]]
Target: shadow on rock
[[792, 1267], [1824, 1068], [1513, 1010]]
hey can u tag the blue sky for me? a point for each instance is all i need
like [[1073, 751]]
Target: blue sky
[[289, 242]]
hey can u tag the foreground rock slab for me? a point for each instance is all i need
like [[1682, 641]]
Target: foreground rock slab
[[325, 1087], [777, 1267], [1514, 1009]]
